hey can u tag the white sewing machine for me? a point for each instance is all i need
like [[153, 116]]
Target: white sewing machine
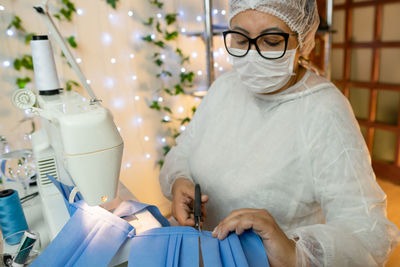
[[78, 143]]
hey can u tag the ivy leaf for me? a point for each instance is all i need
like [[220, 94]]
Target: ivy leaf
[[194, 108], [185, 120], [156, 55], [187, 77], [160, 44], [158, 62], [69, 5], [160, 163], [155, 105], [157, 3], [28, 38], [179, 52], [147, 38], [158, 27], [170, 35], [112, 3], [168, 91], [70, 83], [72, 42], [16, 23], [179, 89], [183, 58], [25, 61], [149, 21], [164, 73], [166, 150], [57, 16], [21, 82], [170, 18], [165, 121], [167, 109], [176, 135], [66, 13]]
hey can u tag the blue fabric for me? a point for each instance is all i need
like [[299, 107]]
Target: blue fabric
[[179, 247], [65, 190], [93, 236]]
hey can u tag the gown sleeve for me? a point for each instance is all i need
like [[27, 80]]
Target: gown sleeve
[[356, 231], [176, 163]]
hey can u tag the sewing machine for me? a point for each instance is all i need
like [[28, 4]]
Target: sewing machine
[[78, 143]]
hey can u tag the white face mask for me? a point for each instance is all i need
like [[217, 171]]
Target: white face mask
[[262, 75]]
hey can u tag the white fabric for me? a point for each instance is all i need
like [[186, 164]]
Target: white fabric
[[261, 75], [298, 154], [300, 15]]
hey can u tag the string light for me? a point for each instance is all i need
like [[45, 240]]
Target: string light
[[199, 73], [106, 38], [148, 156], [137, 98], [163, 140], [183, 127], [215, 11], [134, 77], [220, 68], [109, 82], [6, 63], [160, 99], [119, 129], [162, 56], [215, 64], [2, 8], [79, 11], [79, 60], [166, 118], [128, 165], [194, 55], [198, 18], [183, 70], [223, 12], [183, 30], [181, 109], [88, 81], [113, 60], [146, 138], [130, 13], [119, 103], [153, 36], [159, 15], [10, 32], [132, 56]]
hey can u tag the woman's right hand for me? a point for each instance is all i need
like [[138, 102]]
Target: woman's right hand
[[182, 202]]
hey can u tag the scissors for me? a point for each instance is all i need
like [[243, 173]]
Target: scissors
[[197, 207]]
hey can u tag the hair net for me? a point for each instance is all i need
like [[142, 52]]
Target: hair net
[[300, 15]]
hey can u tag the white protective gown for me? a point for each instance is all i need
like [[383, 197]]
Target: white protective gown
[[298, 154]]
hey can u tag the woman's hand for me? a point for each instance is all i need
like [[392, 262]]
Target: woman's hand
[[182, 202], [281, 251]]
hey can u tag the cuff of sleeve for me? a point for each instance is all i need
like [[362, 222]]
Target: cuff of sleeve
[[168, 192]]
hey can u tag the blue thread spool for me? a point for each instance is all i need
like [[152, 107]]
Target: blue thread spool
[[12, 217]]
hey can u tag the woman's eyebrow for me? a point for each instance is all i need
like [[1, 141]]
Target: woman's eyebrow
[[275, 29], [241, 29]]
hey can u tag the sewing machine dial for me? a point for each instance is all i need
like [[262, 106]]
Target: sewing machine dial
[[23, 98]]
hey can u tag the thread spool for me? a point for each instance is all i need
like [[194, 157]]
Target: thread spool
[[12, 217]]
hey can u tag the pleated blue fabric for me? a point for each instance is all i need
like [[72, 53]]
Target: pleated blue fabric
[[92, 237]]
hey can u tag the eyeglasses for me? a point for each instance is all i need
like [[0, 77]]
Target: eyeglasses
[[238, 45]]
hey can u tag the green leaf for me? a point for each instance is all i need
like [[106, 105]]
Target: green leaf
[[170, 18], [149, 21], [25, 61], [72, 42], [147, 38], [158, 27], [70, 83], [167, 109], [179, 52], [156, 55], [179, 89], [157, 3], [165, 121], [28, 37], [57, 16], [168, 91], [112, 3], [166, 150], [164, 73], [170, 35], [160, 44], [176, 135], [160, 163], [185, 120], [155, 105], [66, 13], [187, 77], [21, 82], [194, 108], [158, 62], [16, 23]]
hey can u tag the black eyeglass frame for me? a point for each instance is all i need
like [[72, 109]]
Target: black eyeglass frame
[[254, 41]]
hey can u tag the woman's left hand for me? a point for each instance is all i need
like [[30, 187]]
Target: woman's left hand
[[281, 250]]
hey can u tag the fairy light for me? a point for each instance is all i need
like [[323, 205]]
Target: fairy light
[[79, 60], [159, 15], [215, 11], [88, 81], [106, 38], [183, 30], [137, 98], [181, 109], [134, 77], [6, 63], [148, 156], [199, 73], [223, 12], [146, 138], [183, 127], [109, 82], [183, 70], [153, 36], [160, 99], [10, 32], [119, 129], [131, 56], [79, 11], [215, 54], [163, 140], [2, 8], [199, 18], [162, 56], [194, 55], [130, 13], [119, 102], [113, 60], [128, 165], [166, 118], [220, 68], [215, 64]]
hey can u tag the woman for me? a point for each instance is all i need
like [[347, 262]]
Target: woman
[[276, 148]]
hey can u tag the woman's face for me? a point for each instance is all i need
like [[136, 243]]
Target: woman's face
[[253, 23]]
